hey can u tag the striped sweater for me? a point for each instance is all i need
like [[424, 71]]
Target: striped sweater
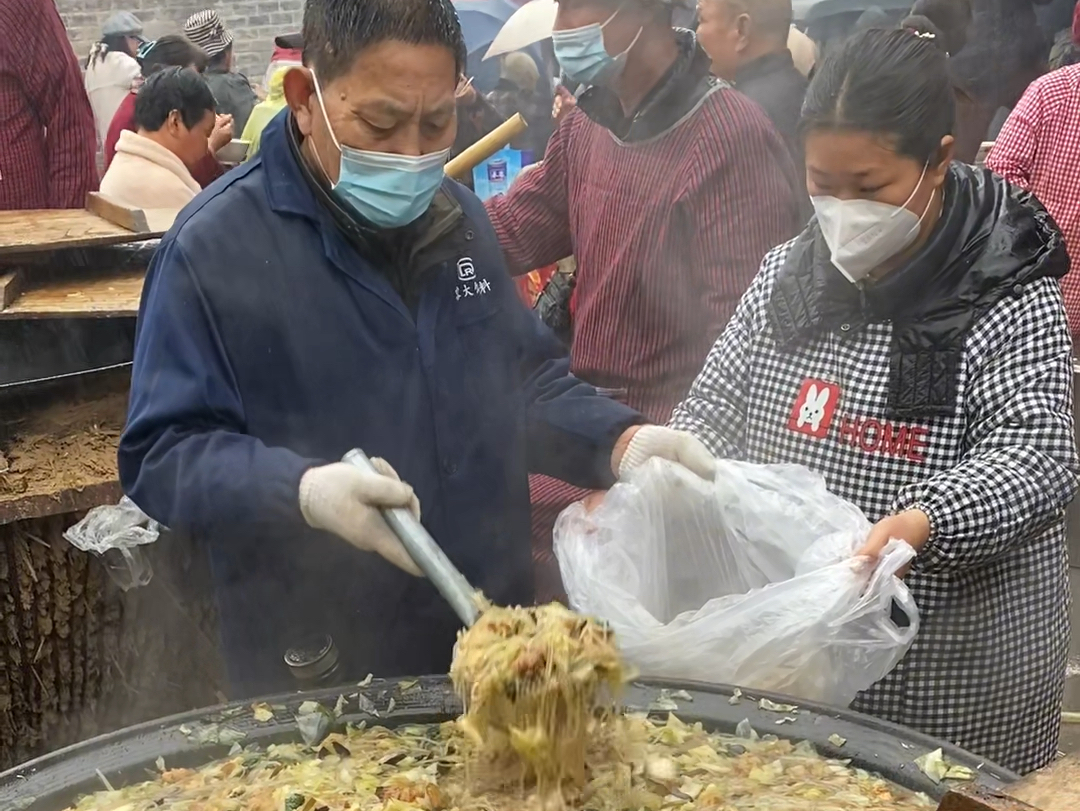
[[667, 231]]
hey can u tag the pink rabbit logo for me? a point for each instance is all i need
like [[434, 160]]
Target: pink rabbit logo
[[814, 408]]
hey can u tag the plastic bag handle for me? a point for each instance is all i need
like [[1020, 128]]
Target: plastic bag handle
[[886, 582]]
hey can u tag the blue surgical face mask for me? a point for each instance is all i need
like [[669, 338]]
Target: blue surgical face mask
[[583, 57], [387, 190]]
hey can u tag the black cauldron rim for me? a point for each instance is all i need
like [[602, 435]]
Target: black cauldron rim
[[55, 781]]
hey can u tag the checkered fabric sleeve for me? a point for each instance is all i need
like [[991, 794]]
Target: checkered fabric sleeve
[[1013, 153], [715, 409], [1020, 469]]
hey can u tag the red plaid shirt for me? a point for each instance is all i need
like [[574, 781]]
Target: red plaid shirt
[[1039, 150], [667, 234], [47, 134]]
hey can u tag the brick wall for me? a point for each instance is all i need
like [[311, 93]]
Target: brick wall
[[254, 23]]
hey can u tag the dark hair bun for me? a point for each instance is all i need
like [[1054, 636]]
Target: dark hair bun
[[947, 20], [890, 82], [924, 28]]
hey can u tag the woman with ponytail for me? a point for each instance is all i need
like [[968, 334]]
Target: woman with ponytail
[[918, 317]]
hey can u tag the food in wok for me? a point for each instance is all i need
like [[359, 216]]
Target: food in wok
[[540, 732], [535, 683], [634, 763]]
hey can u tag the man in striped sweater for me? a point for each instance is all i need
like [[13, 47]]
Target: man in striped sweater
[[668, 187]]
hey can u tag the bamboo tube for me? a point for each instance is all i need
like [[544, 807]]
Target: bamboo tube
[[463, 164]]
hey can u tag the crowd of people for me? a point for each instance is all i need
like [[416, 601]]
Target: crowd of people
[[783, 255]]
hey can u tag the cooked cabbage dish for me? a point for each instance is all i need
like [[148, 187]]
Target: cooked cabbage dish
[[636, 764], [540, 733], [535, 683]]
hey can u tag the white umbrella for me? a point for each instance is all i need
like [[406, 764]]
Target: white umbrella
[[531, 23]]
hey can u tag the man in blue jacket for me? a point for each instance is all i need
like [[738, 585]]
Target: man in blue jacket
[[337, 292]]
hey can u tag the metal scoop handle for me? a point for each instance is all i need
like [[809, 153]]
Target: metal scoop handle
[[427, 554]]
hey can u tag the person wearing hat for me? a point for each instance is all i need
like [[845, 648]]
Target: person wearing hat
[[288, 53], [232, 90], [111, 69]]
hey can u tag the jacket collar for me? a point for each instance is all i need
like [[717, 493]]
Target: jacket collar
[[769, 63], [679, 92], [991, 240], [398, 255], [292, 187]]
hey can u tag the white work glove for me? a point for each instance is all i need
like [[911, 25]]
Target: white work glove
[[667, 443], [344, 500]]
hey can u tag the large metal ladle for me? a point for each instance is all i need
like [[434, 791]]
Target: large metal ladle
[[427, 554]]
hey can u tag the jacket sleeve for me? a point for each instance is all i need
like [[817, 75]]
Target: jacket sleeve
[[184, 457], [715, 408], [54, 84], [737, 205], [531, 219], [571, 429], [1020, 470], [1013, 153]]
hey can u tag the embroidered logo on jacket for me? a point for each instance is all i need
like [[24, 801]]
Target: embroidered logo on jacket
[[466, 270], [814, 407], [469, 285]]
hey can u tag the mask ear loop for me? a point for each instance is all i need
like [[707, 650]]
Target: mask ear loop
[[929, 202], [636, 38], [326, 119], [612, 17], [914, 191]]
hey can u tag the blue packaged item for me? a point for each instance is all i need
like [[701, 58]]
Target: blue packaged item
[[497, 173]]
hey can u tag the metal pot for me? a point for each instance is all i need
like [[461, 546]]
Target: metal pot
[[55, 781]]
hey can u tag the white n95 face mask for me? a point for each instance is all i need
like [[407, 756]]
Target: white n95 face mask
[[862, 234]]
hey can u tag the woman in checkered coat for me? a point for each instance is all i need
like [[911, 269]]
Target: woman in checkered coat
[[911, 346]]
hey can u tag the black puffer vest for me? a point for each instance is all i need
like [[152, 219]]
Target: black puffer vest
[[991, 240]]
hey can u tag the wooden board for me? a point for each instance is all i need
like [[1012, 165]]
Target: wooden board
[[24, 232], [10, 287], [108, 296], [144, 221], [72, 499], [1055, 788], [971, 798]]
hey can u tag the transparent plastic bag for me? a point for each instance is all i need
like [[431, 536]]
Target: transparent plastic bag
[[115, 532], [746, 580]]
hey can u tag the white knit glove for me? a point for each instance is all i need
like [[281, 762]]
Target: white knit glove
[[666, 443], [346, 501]]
